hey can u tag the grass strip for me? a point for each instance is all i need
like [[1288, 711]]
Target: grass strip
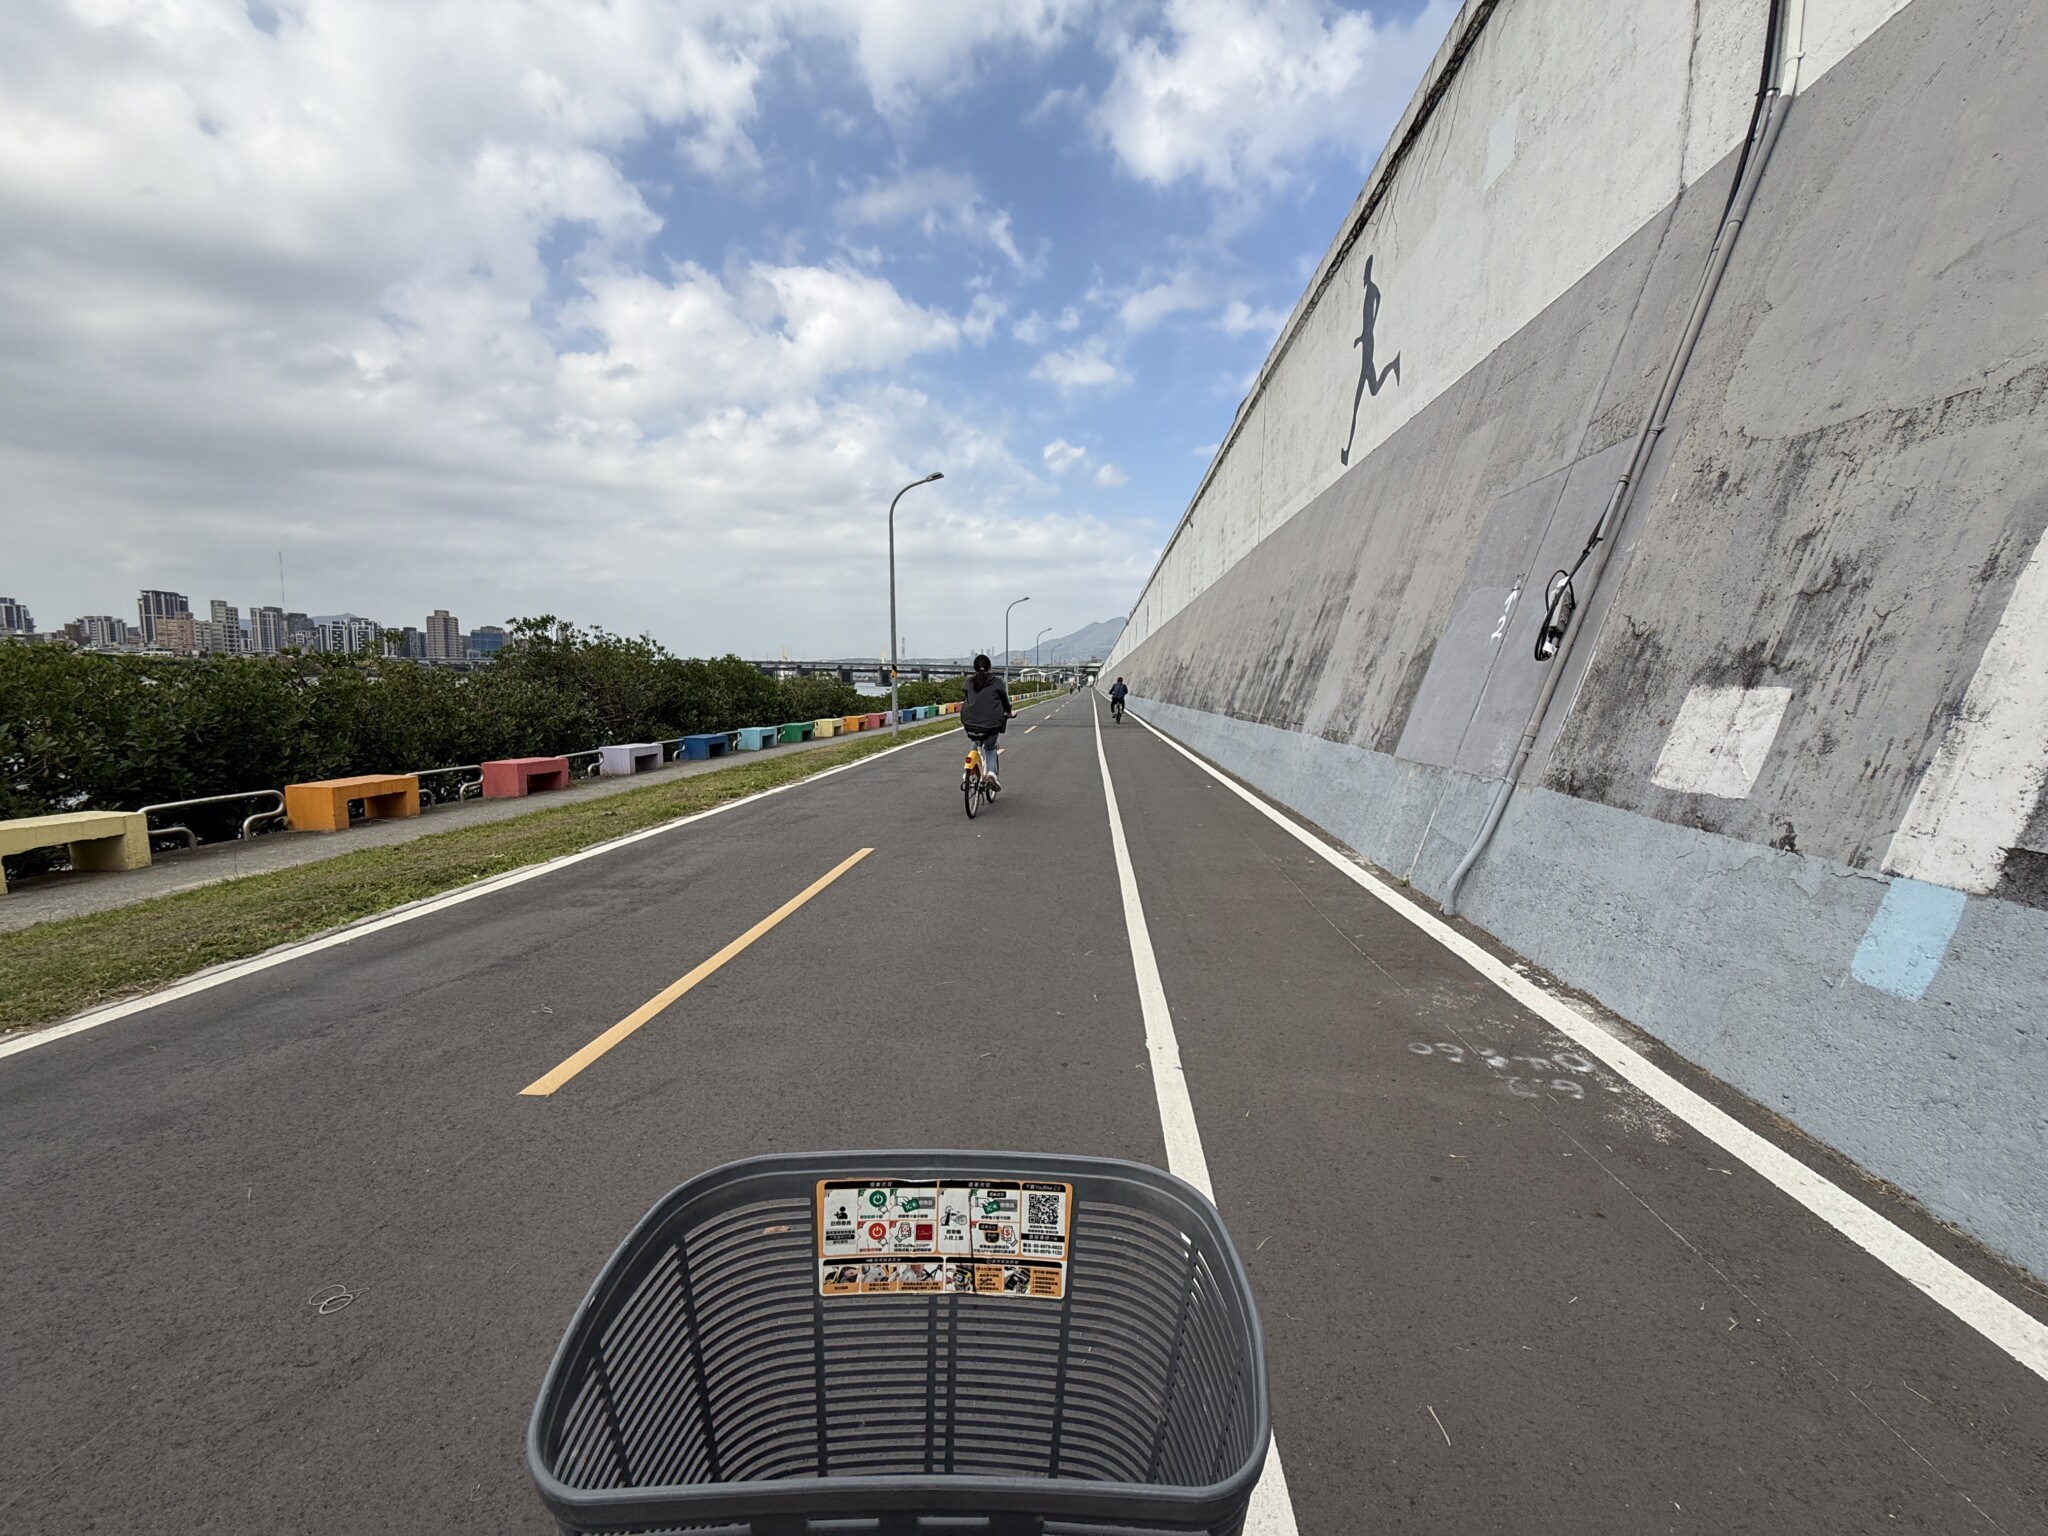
[[58, 968]]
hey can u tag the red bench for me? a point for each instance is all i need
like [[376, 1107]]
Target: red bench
[[510, 777]]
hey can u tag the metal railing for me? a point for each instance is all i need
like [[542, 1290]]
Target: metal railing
[[463, 790], [249, 823]]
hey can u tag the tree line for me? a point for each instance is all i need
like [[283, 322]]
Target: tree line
[[87, 731]]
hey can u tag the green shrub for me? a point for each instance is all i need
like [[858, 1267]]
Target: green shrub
[[81, 731]]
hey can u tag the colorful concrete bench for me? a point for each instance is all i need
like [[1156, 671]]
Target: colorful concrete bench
[[823, 727], [322, 806], [848, 724], [803, 730], [97, 839], [628, 758], [875, 722], [709, 744], [510, 777], [752, 738]]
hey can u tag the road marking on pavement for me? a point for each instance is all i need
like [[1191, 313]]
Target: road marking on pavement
[[205, 981], [541, 1087], [2020, 1335], [1029, 729], [1272, 1511]]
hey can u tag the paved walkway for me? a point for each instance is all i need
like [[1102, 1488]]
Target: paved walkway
[[71, 893], [1505, 1288]]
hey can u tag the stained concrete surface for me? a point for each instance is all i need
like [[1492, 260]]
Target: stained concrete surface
[[1854, 476], [1616, 1330]]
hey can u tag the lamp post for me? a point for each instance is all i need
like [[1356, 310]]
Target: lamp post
[[1006, 643], [1035, 664], [895, 714]]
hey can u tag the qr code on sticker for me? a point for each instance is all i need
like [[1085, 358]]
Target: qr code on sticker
[[1042, 1212]]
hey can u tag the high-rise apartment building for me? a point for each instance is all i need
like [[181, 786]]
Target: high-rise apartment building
[[175, 632], [487, 639], [153, 606], [220, 632], [15, 619], [98, 632], [412, 645], [301, 633], [444, 637], [267, 631]]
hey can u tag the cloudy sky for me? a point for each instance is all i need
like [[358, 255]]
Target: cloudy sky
[[638, 312]]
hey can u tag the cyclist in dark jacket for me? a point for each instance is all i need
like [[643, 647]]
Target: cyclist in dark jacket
[[1117, 691], [986, 710]]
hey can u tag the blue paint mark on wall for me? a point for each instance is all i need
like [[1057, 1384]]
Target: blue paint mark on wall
[[1904, 944]]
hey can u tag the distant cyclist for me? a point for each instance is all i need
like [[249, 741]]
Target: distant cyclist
[[986, 710], [1117, 691]]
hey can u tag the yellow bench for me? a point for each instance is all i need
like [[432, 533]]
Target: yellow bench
[[322, 806], [97, 839], [828, 727]]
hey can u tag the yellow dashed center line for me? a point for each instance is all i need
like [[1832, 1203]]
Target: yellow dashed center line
[[543, 1086]]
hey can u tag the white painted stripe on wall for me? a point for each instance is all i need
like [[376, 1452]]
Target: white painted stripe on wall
[[1272, 1511], [1986, 779], [1720, 740], [1968, 1299], [206, 981]]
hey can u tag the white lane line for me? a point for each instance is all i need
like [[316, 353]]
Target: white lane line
[[205, 981], [1967, 1298], [1272, 1511]]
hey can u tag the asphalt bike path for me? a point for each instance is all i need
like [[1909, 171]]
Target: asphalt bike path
[[291, 1254], [187, 1188], [1502, 1290]]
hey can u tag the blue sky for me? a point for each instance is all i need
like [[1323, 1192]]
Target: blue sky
[[639, 315]]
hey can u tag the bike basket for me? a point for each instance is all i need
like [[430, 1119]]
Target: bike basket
[[910, 1342]]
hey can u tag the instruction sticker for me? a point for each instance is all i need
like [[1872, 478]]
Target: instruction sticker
[[885, 1236]]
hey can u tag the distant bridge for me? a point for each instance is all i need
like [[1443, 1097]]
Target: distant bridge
[[910, 671]]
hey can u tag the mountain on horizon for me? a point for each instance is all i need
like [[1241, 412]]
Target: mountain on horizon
[[1091, 642]]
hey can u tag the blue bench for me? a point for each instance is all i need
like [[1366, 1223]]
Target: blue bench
[[710, 744], [752, 738]]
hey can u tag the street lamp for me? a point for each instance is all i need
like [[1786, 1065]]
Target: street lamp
[[1006, 643], [1034, 647], [895, 714]]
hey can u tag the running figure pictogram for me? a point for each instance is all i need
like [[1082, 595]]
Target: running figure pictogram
[[1368, 379]]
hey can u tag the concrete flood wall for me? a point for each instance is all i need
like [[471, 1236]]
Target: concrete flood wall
[[1786, 812]]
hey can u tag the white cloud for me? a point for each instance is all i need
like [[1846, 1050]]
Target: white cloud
[[982, 315], [1061, 456], [1109, 477], [1030, 330], [1085, 367], [1186, 289], [290, 290], [1240, 319], [907, 50], [1231, 93], [936, 200]]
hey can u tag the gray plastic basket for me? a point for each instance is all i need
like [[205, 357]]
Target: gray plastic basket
[[706, 1385]]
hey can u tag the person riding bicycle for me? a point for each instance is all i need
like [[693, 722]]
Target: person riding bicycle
[[1117, 691], [986, 710]]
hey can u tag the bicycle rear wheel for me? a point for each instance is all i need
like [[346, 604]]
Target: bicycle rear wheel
[[970, 790]]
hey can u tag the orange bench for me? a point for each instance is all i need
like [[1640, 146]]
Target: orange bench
[[322, 806]]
